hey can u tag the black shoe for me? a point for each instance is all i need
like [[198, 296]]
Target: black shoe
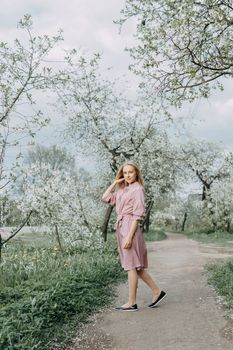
[[130, 308], [157, 301]]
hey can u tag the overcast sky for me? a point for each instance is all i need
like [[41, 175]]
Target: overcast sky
[[88, 24]]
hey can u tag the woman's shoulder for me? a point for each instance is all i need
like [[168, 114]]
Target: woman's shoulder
[[119, 190], [136, 186]]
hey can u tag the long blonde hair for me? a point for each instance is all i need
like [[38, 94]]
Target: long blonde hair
[[139, 177]]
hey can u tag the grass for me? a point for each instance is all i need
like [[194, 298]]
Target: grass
[[154, 235], [219, 237], [220, 276], [44, 295], [33, 237]]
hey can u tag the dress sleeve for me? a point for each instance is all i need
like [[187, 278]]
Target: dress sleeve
[[110, 199], [139, 204]]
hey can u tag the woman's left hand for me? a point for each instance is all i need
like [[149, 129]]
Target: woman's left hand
[[128, 242]]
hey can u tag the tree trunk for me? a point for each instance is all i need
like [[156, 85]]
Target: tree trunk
[[184, 221], [146, 221], [106, 221], [58, 238], [203, 193], [0, 247]]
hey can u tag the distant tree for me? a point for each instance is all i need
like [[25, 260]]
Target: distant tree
[[222, 195], [209, 164], [58, 158], [60, 194], [62, 201], [10, 214], [183, 46], [182, 212]]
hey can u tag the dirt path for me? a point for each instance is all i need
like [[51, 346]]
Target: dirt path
[[190, 318]]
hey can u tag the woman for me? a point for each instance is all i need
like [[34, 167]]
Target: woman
[[129, 202]]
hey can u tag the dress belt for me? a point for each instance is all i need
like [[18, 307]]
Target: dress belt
[[120, 218]]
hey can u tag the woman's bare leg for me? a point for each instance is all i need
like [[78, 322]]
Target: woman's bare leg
[[132, 284], [144, 275]]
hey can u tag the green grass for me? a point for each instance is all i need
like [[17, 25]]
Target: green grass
[[220, 276], [155, 235], [35, 239], [44, 295], [218, 237]]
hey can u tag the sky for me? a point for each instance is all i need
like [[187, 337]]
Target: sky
[[88, 25]]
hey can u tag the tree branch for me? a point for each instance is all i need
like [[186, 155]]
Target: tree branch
[[19, 229]]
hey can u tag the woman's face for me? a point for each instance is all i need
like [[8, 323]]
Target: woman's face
[[129, 173]]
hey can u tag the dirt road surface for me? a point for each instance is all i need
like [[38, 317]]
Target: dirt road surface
[[189, 318]]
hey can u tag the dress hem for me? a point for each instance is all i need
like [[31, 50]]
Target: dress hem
[[139, 267]]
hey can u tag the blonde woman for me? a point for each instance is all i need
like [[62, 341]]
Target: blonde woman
[[129, 201]]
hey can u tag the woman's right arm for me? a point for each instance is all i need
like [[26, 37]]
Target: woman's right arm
[[109, 196]]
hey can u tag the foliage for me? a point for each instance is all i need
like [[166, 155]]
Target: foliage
[[211, 208], [58, 158], [115, 128], [58, 200], [44, 295], [105, 125], [182, 53], [155, 235], [199, 218], [10, 214], [207, 161], [221, 278], [222, 195], [23, 76]]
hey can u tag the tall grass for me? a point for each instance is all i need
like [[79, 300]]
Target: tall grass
[[44, 295]]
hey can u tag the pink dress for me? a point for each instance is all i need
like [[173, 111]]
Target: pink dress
[[129, 202]]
